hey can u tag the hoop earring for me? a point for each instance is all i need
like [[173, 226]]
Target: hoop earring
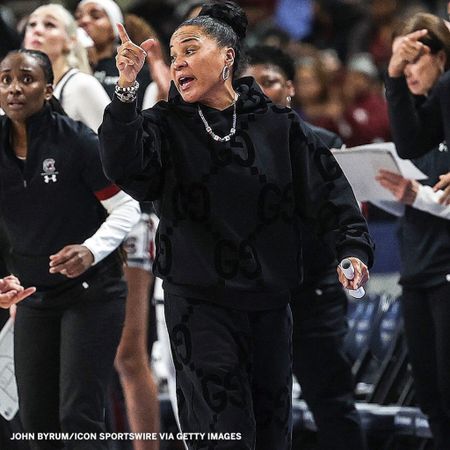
[[225, 73], [288, 100]]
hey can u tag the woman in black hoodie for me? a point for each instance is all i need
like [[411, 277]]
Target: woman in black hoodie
[[229, 172], [424, 228]]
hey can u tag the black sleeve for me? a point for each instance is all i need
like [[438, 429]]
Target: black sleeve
[[324, 198], [88, 154], [330, 139], [130, 150], [415, 130]]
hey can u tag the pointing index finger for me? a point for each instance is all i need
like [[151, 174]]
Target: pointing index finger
[[123, 33]]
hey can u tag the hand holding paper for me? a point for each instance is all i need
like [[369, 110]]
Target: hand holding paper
[[361, 166], [404, 189]]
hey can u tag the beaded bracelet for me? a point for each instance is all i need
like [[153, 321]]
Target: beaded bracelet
[[127, 94]]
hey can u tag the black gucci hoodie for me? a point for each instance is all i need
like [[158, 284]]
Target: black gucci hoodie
[[230, 213]]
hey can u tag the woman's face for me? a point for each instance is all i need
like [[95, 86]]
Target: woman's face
[[46, 32], [23, 88], [423, 73], [197, 63], [272, 81], [94, 20]]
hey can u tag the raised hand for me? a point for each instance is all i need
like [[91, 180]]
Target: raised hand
[[159, 70], [406, 49], [71, 261], [130, 57]]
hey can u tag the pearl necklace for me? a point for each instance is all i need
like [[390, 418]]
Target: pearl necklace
[[209, 129]]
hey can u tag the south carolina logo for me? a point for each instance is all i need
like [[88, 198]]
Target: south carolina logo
[[49, 170]]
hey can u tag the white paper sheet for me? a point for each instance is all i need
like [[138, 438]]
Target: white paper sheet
[[407, 168], [361, 165], [9, 402]]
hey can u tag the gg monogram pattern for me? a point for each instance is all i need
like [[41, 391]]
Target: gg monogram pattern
[[229, 249], [232, 370], [231, 211]]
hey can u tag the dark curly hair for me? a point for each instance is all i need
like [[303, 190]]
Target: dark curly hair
[[265, 54]]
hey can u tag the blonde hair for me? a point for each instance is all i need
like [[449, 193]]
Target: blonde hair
[[77, 56]]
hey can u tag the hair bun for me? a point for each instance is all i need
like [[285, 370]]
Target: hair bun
[[229, 13]]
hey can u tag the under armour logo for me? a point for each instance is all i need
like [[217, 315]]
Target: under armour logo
[[48, 178], [49, 170]]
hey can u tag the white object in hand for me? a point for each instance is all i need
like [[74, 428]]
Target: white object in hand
[[347, 270]]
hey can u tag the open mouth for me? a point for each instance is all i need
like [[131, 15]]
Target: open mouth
[[15, 105], [185, 82]]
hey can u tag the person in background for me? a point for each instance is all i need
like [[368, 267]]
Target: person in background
[[227, 287], [373, 32], [99, 18], [420, 55], [52, 30], [319, 306], [9, 37], [67, 332], [317, 100], [365, 117]]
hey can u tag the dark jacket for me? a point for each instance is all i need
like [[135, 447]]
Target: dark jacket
[[417, 130], [320, 271], [230, 213], [425, 238], [418, 127], [50, 201]]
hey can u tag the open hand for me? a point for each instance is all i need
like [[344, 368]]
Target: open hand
[[403, 189], [159, 70], [71, 261]]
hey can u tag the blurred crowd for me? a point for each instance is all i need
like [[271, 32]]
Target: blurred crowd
[[340, 47]]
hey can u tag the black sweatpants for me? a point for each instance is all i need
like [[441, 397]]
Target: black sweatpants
[[322, 368], [427, 325], [233, 374], [64, 358]]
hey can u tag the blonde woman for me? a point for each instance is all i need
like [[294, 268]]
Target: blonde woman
[[52, 30]]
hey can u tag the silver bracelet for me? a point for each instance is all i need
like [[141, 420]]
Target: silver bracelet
[[127, 94]]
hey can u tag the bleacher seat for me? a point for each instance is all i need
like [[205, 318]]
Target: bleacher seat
[[375, 343]]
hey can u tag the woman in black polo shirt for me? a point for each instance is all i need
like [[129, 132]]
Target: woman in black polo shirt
[[53, 196]]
